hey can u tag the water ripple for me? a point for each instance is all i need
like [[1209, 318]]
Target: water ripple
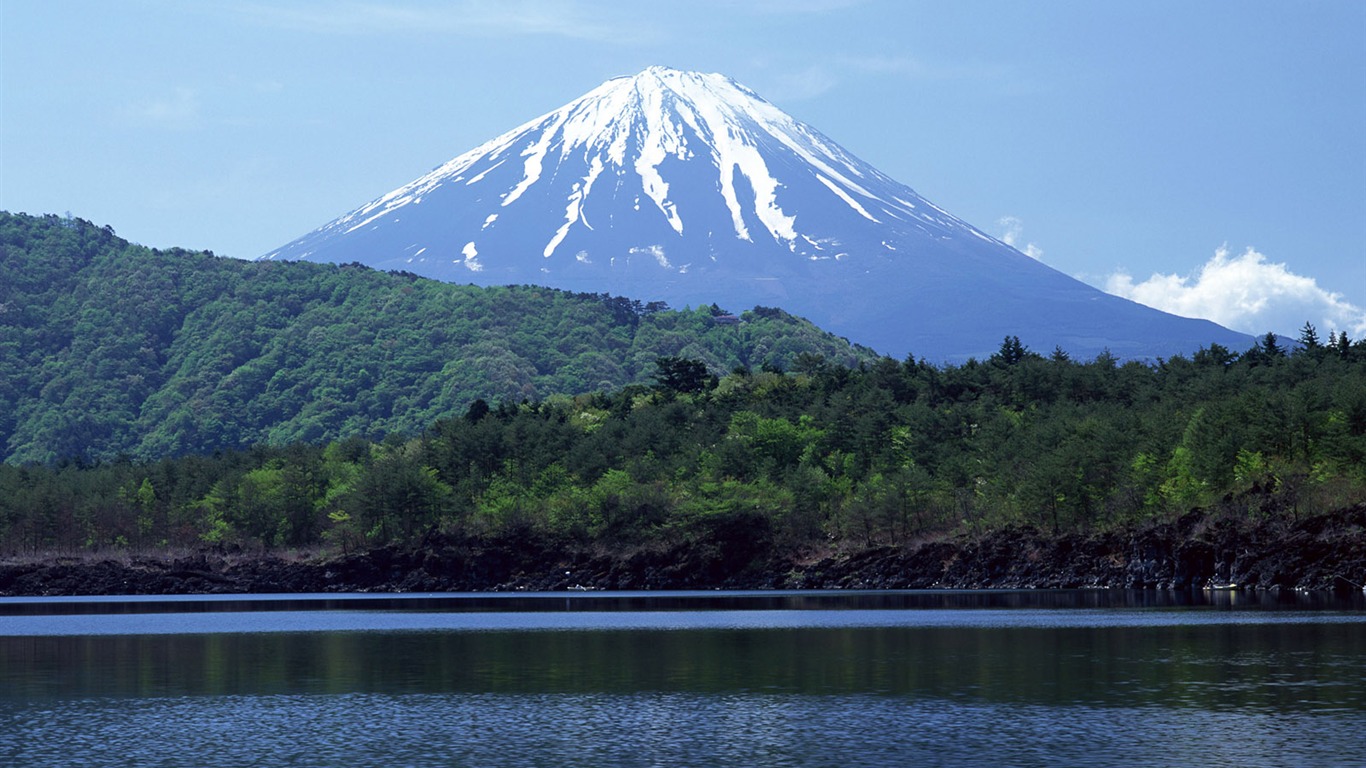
[[654, 730]]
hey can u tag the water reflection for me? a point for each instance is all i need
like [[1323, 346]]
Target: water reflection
[[949, 678], [1275, 667]]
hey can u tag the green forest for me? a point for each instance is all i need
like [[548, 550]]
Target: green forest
[[815, 456], [111, 350], [168, 399]]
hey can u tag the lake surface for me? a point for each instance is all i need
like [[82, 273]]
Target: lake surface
[[685, 679]]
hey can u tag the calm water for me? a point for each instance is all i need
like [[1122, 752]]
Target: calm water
[[749, 679]]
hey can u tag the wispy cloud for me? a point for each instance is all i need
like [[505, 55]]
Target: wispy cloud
[[1246, 293], [1013, 237], [825, 75], [178, 110], [802, 6], [798, 85], [891, 65], [510, 17]]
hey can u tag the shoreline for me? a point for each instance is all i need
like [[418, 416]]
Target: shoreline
[[1202, 550]]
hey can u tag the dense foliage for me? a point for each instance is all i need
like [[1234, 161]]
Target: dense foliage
[[110, 349], [819, 453]]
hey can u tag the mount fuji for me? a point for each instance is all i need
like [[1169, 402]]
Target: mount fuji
[[689, 188]]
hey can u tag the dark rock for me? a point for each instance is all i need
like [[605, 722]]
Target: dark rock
[[1201, 549]]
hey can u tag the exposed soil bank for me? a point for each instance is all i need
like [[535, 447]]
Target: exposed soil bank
[[1200, 550]]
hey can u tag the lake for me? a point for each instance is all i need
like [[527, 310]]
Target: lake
[[1087, 678]]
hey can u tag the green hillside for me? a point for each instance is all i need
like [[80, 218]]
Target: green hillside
[[109, 349], [284, 404], [815, 458]]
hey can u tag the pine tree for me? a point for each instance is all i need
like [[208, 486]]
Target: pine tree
[[1271, 347], [1011, 351], [1309, 337]]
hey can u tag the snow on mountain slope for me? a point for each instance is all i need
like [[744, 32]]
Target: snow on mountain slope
[[691, 189]]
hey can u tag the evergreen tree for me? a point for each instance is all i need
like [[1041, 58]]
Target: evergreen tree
[[1309, 338]]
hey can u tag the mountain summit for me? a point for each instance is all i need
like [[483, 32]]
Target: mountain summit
[[689, 188]]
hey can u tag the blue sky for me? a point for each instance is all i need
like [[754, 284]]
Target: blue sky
[[1208, 158]]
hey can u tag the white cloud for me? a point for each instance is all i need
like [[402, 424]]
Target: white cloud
[[799, 80], [1246, 293], [514, 17], [917, 69], [1014, 228], [894, 65], [800, 84], [788, 7], [178, 111]]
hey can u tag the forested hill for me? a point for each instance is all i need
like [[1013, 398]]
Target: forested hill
[[769, 467], [111, 349]]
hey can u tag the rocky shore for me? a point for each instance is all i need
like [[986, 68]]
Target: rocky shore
[[1200, 550]]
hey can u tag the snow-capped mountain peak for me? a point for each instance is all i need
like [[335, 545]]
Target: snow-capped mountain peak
[[690, 188], [628, 130]]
